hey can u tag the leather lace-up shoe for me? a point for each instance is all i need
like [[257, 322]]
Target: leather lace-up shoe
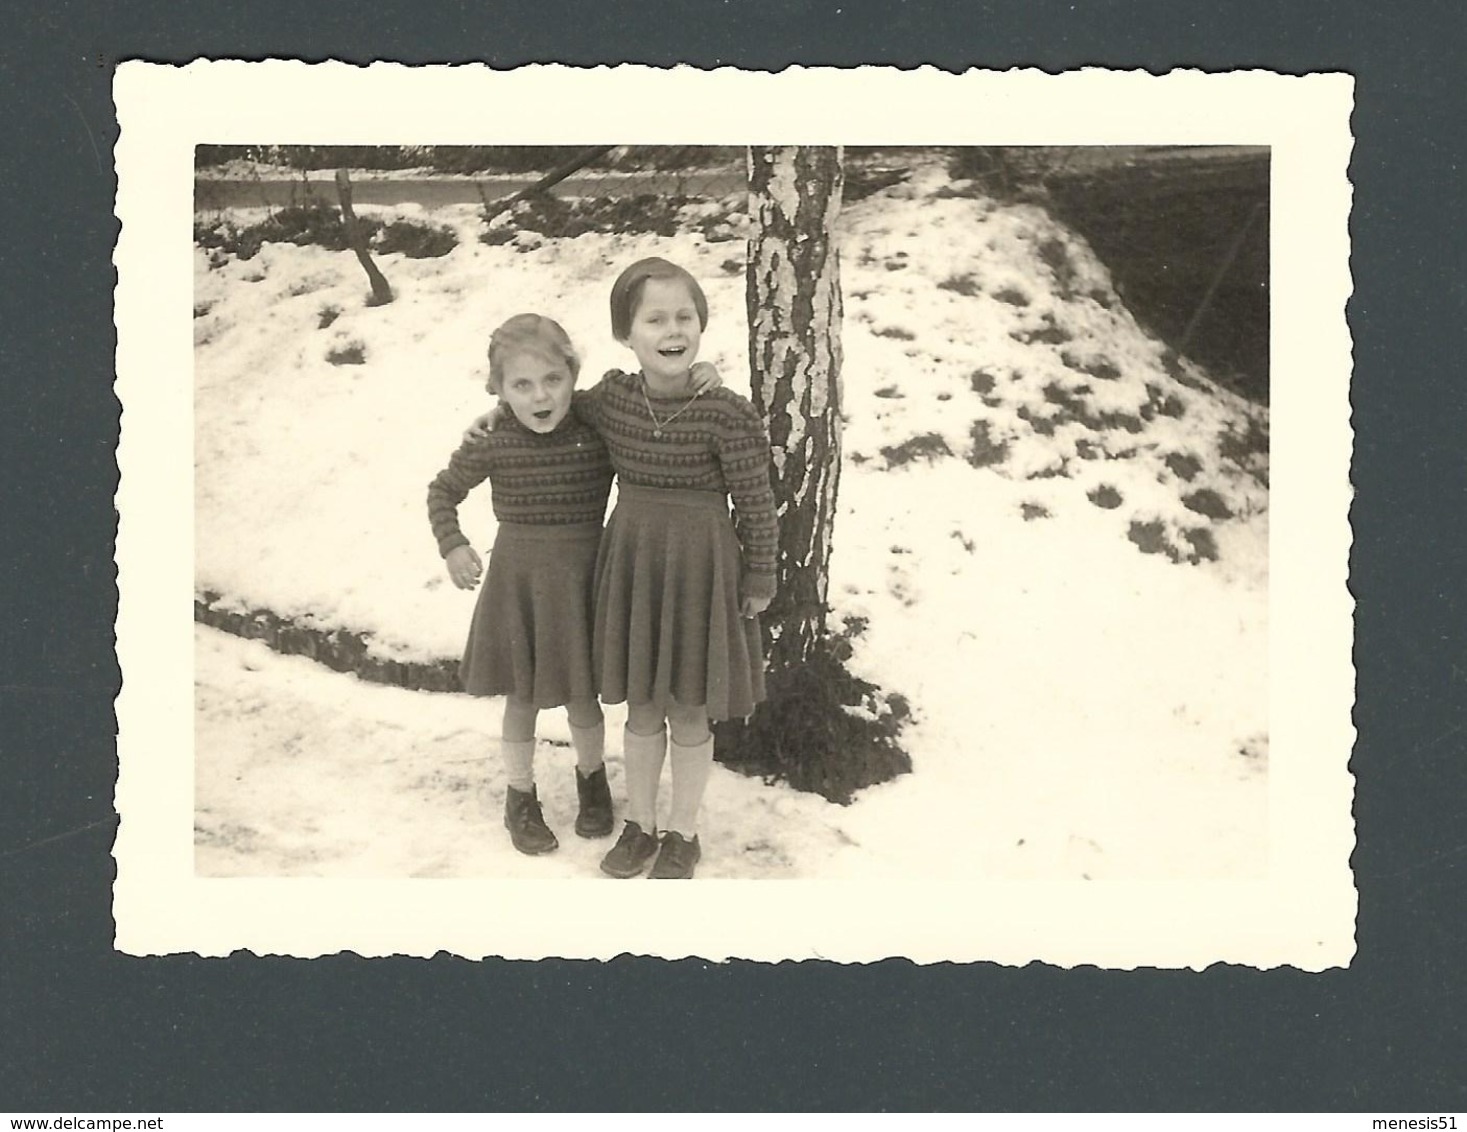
[[526, 824], [594, 819], [677, 858], [629, 856]]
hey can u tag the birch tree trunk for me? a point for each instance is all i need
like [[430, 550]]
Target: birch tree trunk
[[794, 305]]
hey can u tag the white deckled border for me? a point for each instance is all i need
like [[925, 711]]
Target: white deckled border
[[1301, 914]]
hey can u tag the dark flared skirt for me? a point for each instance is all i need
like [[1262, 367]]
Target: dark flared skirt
[[668, 628], [531, 632]]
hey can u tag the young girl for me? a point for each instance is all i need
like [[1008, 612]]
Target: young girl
[[530, 638], [679, 586]]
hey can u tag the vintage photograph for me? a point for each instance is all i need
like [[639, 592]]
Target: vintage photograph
[[732, 509]]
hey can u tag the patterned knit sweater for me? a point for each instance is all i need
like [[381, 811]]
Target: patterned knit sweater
[[717, 443], [542, 479]]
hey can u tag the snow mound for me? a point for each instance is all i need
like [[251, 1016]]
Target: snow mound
[[1003, 344]]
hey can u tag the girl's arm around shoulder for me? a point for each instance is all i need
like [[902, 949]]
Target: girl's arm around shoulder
[[589, 404]]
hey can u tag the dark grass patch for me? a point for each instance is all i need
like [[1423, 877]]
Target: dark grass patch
[[1183, 465], [1088, 451], [1247, 449], [1056, 257], [1012, 296], [353, 354], [1032, 511], [1105, 497], [895, 265], [820, 728], [1070, 408], [1207, 502], [1203, 543], [1163, 404], [326, 316], [732, 266], [889, 392], [1049, 332], [1044, 426], [201, 309], [986, 452], [894, 332], [968, 544], [643, 213], [1151, 538], [1103, 369], [962, 284], [944, 396], [416, 241], [982, 381], [319, 224], [929, 446], [338, 649]]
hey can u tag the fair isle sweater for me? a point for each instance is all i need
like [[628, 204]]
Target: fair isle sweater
[[717, 444], [542, 479]]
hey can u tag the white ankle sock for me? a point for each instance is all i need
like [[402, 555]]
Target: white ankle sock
[[691, 767], [590, 745], [519, 763], [644, 757]]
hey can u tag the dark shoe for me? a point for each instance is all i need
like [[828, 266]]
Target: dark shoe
[[594, 820], [630, 854], [526, 824], [677, 858]]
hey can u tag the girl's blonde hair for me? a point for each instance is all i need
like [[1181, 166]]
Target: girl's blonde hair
[[530, 334]]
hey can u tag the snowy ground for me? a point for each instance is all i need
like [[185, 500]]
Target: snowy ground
[[1083, 709]]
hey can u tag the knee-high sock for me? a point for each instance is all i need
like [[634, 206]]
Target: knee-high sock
[[590, 745], [519, 763], [644, 758], [691, 767]]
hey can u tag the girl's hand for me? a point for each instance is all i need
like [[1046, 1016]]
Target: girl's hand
[[484, 424], [464, 567], [704, 376], [750, 606]]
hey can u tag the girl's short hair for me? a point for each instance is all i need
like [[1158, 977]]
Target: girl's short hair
[[626, 293], [530, 334]]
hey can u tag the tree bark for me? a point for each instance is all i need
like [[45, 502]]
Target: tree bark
[[794, 301], [381, 292]]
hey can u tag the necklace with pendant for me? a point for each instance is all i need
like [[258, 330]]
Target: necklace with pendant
[[659, 426]]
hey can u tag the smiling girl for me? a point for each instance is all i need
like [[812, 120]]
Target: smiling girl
[[679, 585]]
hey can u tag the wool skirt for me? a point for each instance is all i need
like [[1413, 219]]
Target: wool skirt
[[531, 632], [668, 629]]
